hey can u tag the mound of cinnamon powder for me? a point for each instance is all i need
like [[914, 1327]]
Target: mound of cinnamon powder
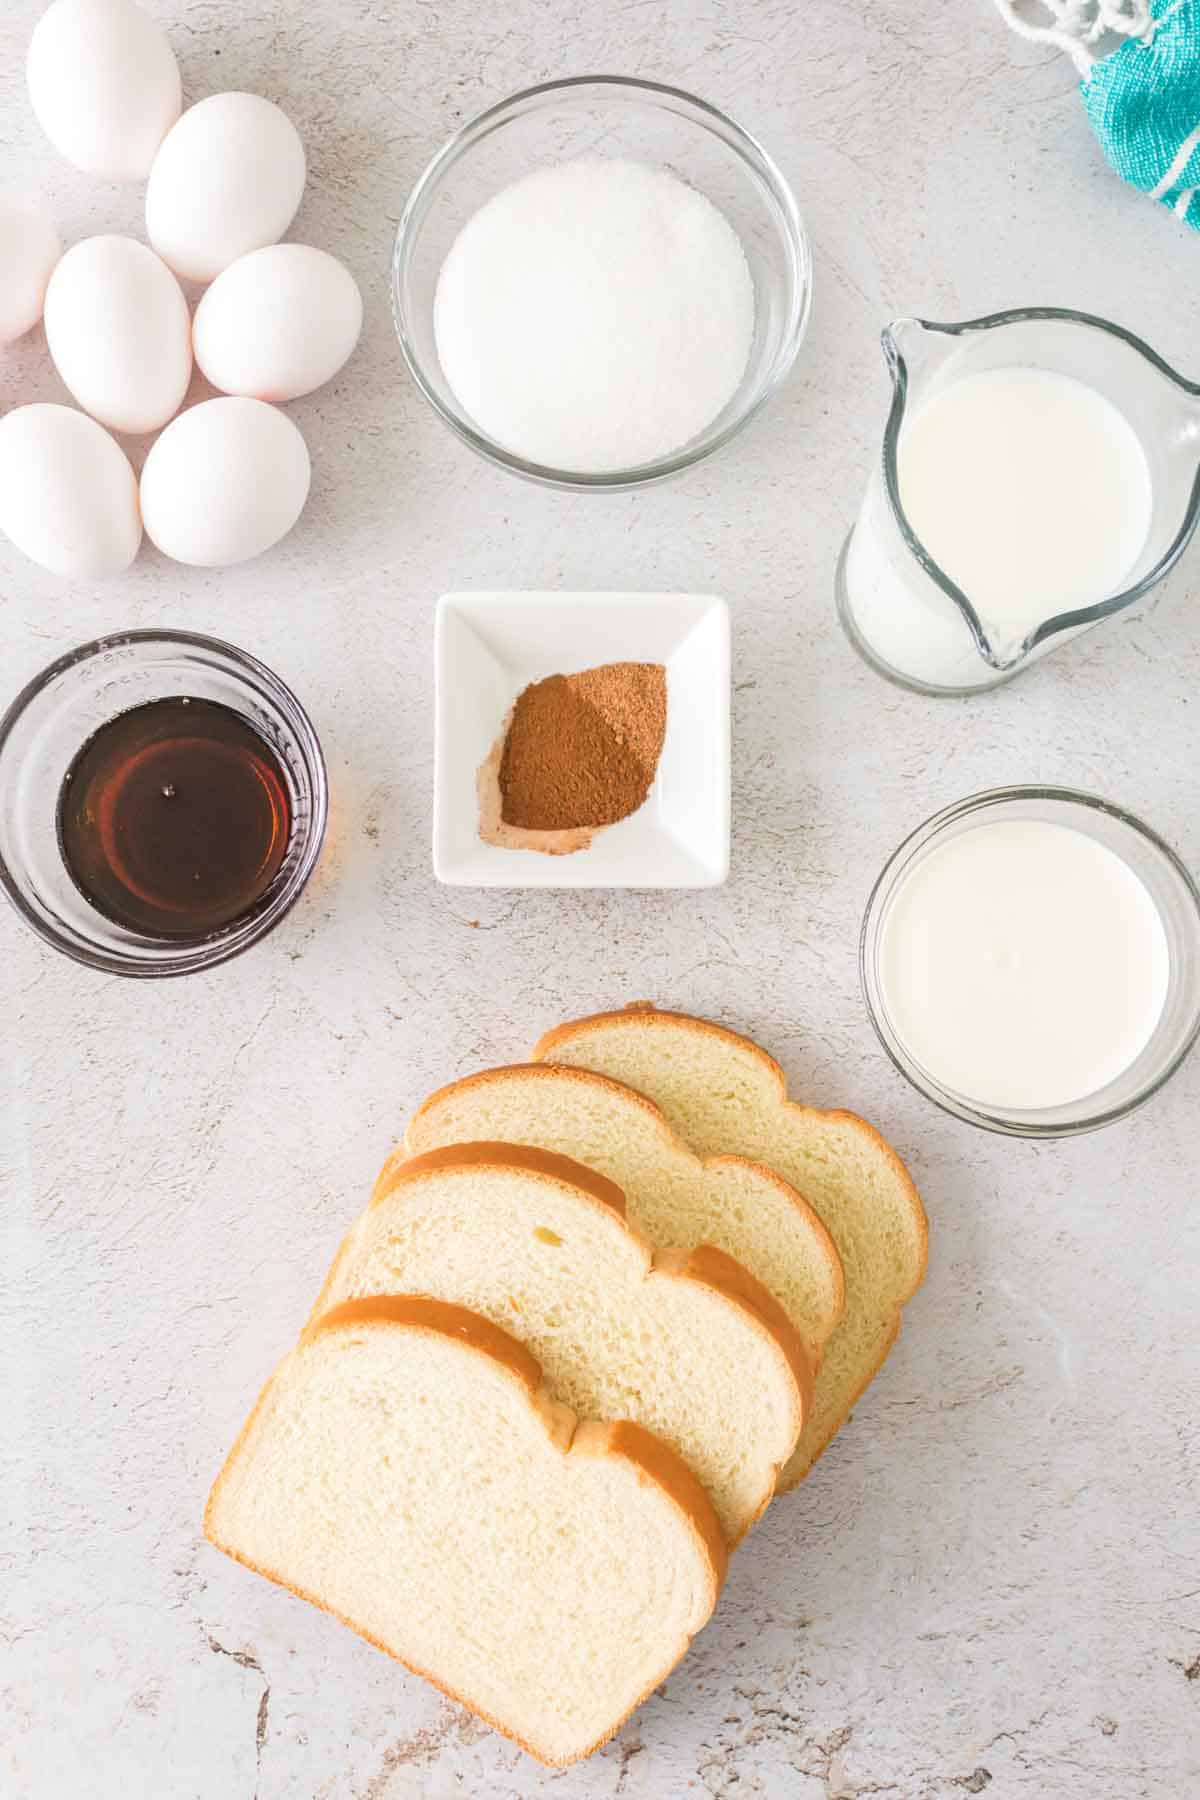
[[578, 752]]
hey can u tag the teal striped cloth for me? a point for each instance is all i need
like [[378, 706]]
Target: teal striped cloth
[[1144, 104]]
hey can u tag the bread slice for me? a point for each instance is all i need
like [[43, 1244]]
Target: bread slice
[[721, 1092], [405, 1469], [683, 1342], [673, 1197]]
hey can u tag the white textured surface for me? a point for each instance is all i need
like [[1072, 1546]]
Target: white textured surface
[[989, 1585]]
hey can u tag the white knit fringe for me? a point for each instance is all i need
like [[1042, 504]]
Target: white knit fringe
[[1076, 26]]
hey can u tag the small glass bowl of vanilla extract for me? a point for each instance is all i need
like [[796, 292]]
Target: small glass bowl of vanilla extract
[[163, 801]]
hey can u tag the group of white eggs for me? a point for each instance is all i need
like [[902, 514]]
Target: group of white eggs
[[229, 477]]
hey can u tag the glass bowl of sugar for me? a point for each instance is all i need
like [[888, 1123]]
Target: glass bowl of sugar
[[599, 281]]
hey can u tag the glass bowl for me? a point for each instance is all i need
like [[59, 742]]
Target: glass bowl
[[1170, 886], [642, 120], [58, 711]]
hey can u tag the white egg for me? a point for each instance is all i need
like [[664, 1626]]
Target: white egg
[[118, 329], [225, 481], [228, 179], [29, 249], [104, 85], [68, 497], [277, 323]]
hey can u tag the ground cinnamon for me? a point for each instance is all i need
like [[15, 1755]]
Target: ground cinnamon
[[578, 752]]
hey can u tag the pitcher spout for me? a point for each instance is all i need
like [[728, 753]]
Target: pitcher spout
[[909, 345]]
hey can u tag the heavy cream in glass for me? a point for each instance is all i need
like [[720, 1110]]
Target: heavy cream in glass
[[1024, 965], [1029, 489]]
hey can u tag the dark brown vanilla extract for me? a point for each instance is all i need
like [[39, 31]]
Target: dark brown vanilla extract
[[174, 818]]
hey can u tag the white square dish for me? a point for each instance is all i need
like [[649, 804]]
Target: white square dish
[[489, 646]]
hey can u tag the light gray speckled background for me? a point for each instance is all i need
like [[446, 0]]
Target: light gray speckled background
[[991, 1584]]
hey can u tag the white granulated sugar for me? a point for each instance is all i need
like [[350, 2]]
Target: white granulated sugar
[[595, 315]]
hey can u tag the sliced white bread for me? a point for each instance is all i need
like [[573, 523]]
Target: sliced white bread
[[683, 1342], [405, 1469], [674, 1197], [721, 1092]]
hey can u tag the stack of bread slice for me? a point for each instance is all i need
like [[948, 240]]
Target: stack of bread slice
[[601, 1307]]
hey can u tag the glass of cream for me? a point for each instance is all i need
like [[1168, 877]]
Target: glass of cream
[[1030, 959]]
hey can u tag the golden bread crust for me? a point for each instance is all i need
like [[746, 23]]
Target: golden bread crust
[[709, 1267], [724, 1274], [646, 1014], [556, 1073], [655, 1462], [546, 1163]]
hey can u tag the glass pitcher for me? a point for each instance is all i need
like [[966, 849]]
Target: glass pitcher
[[902, 612]]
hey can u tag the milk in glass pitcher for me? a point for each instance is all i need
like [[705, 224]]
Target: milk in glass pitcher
[[1040, 473]]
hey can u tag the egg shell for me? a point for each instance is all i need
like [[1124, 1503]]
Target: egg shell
[[117, 326], [225, 481], [227, 180], [29, 249], [277, 323], [104, 85], [68, 496]]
